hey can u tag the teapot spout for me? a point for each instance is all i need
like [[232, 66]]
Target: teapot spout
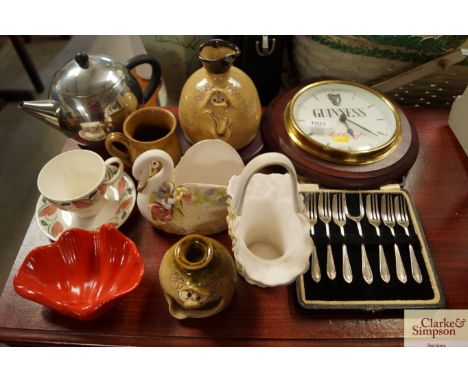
[[45, 110]]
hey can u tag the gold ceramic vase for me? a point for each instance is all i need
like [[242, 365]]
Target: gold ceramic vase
[[219, 101], [198, 277]]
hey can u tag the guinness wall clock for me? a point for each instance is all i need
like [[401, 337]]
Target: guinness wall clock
[[343, 122], [340, 133]]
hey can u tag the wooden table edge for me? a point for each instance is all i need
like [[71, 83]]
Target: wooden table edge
[[26, 337]]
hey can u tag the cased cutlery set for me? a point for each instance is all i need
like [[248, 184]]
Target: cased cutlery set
[[370, 252], [392, 210]]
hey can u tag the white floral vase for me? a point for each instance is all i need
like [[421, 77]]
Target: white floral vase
[[267, 223]]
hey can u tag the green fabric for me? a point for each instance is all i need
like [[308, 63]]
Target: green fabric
[[433, 45], [414, 49]]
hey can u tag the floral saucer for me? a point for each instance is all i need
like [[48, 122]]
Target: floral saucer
[[120, 200]]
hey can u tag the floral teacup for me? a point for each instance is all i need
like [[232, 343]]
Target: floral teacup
[[190, 198], [76, 181]]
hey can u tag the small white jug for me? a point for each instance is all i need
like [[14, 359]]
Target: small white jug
[[267, 223]]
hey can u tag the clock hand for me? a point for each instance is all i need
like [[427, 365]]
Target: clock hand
[[362, 127], [348, 129]]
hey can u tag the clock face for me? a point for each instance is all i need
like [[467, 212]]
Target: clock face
[[344, 118]]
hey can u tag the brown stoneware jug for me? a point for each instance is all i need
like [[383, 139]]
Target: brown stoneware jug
[[198, 277], [219, 101]]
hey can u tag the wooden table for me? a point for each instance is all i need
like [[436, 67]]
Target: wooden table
[[438, 183]]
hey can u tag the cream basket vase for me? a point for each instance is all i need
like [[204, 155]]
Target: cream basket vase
[[267, 223]]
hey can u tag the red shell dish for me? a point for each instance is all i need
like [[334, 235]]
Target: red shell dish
[[83, 273]]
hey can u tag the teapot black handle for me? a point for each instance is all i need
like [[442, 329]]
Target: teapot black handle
[[155, 74]]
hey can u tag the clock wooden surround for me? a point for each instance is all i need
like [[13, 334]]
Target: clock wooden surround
[[330, 170]]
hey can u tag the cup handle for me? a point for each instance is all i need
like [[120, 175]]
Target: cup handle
[[109, 162], [113, 150]]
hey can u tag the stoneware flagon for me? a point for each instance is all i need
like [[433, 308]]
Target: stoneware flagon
[[198, 277], [267, 223], [190, 198], [219, 101]]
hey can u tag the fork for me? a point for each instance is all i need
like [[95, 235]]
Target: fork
[[388, 217], [373, 215], [339, 218], [403, 220], [311, 204], [365, 266], [325, 216]]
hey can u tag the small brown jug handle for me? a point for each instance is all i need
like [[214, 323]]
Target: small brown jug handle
[[114, 151]]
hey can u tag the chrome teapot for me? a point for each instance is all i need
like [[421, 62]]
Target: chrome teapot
[[91, 95]]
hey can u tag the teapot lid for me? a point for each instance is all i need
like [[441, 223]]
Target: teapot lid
[[87, 75]]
